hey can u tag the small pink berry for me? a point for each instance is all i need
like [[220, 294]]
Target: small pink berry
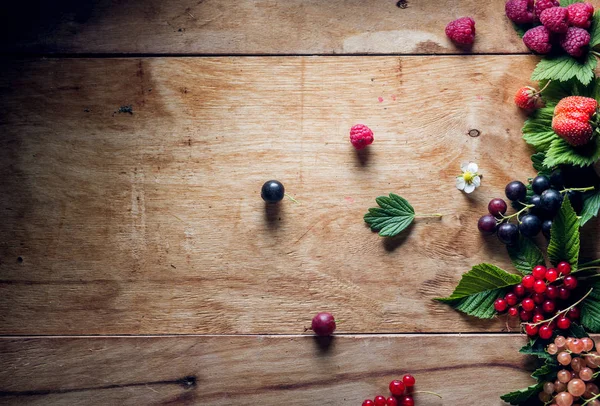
[[361, 136]]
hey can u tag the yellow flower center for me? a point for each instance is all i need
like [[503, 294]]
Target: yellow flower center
[[468, 176]]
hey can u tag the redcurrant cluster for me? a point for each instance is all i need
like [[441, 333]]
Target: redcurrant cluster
[[401, 391], [537, 298], [577, 380]]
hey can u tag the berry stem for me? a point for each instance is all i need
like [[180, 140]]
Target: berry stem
[[428, 215], [428, 392], [578, 189], [561, 312], [503, 218], [544, 88], [590, 399], [595, 53], [291, 198]]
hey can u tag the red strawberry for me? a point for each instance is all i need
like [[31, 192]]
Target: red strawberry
[[528, 98], [571, 119]]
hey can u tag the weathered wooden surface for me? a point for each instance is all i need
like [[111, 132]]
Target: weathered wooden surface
[[250, 370], [152, 222], [250, 26]]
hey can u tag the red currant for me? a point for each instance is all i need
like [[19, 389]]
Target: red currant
[[407, 401], [379, 401], [570, 282], [549, 306], [564, 268], [539, 286], [524, 315], [531, 330], [551, 292], [538, 310], [551, 275], [563, 323], [563, 293], [528, 304], [391, 401], [519, 290], [511, 299], [500, 305], [539, 272], [513, 311], [537, 318], [397, 387], [545, 332], [574, 313], [538, 298], [528, 281], [368, 402], [409, 380]]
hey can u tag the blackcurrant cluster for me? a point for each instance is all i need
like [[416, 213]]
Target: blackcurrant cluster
[[577, 380], [401, 394], [538, 298]]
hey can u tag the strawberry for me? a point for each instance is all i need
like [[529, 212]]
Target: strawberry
[[571, 119], [528, 98]]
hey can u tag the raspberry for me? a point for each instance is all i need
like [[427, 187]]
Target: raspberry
[[580, 14], [541, 5], [538, 39], [555, 19], [461, 31], [361, 136], [519, 11], [575, 41]]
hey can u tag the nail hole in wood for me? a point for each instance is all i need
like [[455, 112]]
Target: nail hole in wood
[[474, 133], [402, 4], [20, 260]]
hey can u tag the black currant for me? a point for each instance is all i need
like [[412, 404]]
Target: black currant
[[539, 184], [530, 225], [551, 201], [497, 207], [536, 200], [546, 226], [516, 191], [508, 233], [272, 191], [487, 224], [557, 179]]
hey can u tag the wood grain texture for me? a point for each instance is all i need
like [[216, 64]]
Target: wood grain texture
[[251, 27], [152, 222], [250, 370]]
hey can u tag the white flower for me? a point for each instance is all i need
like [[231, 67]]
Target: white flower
[[470, 179]]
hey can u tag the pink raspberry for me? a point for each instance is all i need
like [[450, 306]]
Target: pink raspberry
[[575, 41], [580, 14], [361, 136], [541, 5], [461, 31], [519, 11], [555, 19], [538, 39]]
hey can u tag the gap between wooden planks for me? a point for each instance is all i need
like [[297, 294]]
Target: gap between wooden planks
[[248, 27], [152, 223], [249, 370]]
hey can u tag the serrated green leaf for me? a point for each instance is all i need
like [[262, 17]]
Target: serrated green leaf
[[525, 255], [520, 396], [590, 308], [595, 30], [576, 331], [591, 206], [537, 160], [565, 3], [564, 236], [565, 67], [537, 130], [520, 29], [546, 372], [479, 288], [538, 348], [392, 216], [561, 153]]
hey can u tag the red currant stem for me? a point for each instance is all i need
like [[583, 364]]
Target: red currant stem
[[561, 312], [591, 263], [291, 198], [578, 189], [430, 393], [503, 218], [586, 268], [590, 399]]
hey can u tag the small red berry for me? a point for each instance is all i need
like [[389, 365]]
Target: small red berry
[[551, 292], [380, 401], [538, 298], [528, 281], [397, 387], [519, 290], [511, 299], [409, 380], [531, 330], [323, 324], [513, 311], [391, 401], [545, 332], [574, 313], [551, 275], [549, 306], [361, 136], [368, 402], [538, 317], [500, 305], [407, 401], [539, 272], [564, 268], [539, 286], [527, 98], [570, 282], [524, 315], [563, 293], [563, 323], [461, 31], [528, 304]]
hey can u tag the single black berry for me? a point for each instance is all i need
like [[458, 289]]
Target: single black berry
[[508, 233], [536, 200], [497, 207], [487, 224], [539, 184], [272, 191], [546, 226], [530, 225], [516, 191], [557, 179], [551, 201]]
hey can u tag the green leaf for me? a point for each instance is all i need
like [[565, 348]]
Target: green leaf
[[479, 288], [576, 331], [590, 308], [564, 236], [565, 3], [525, 255], [595, 30], [565, 67], [561, 152], [537, 160], [538, 348], [520, 396], [537, 130], [546, 372], [392, 216], [591, 206], [520, 29]]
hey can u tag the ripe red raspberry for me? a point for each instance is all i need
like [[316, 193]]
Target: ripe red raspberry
[[555, 19], [538, 39], [580, 14], [361, 136], [461, 31], [519, 11], [575, 41], [541, 5]]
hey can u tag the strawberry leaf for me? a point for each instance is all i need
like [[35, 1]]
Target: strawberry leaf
[[479, 288], [538, 131], [565, 3], [591, 206], [520, 396], [520, 29], [564, 236], [595, 30], [561, 152], [564, 67], [525, 255], [590, 307], [392, 216], [537, 160]]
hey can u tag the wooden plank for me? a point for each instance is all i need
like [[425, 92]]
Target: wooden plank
[[152, 222], [251, 27], [250, 370]]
